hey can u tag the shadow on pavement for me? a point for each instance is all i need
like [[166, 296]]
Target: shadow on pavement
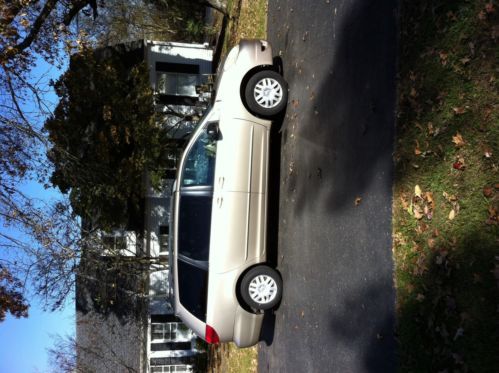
[[367, 312], [346, 126]]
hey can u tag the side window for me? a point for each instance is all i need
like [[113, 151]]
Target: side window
[[199, 167], [194, 226], [193, 289]]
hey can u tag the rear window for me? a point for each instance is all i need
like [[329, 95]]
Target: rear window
[[194, 226], [193, 288]]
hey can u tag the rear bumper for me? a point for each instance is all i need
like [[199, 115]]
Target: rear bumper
[[247, 327]]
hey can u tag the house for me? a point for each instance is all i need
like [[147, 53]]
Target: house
[[125, 320]]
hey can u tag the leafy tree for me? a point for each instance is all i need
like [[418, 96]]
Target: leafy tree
[[129, 20], [11, 298], [105, 117]]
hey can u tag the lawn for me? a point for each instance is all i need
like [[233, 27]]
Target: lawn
[[446, 191]]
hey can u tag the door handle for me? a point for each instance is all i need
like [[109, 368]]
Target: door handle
[[220, 200], [221, 181]]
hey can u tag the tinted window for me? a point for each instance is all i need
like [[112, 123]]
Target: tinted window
[[199, 167], [193, 288], [194, 224]]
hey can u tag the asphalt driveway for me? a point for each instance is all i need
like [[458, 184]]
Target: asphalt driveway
[[335, 188]]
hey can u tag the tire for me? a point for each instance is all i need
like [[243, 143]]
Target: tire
[[266, 94], [269, 295]]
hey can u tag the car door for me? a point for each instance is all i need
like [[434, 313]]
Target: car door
[[231, 202]]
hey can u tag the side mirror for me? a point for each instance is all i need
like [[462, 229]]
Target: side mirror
[[213, 131]]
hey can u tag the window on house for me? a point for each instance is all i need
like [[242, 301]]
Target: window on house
[[171, 369], [176, 84], [164, 233], [116, 244], [170, 331]]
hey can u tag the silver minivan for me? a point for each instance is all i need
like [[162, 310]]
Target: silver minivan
[[221, 283]]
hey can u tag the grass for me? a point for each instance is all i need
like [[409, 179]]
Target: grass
[[446, 193], [248, 20], [228, 358]]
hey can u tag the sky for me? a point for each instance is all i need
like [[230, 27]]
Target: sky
[[24, 342]]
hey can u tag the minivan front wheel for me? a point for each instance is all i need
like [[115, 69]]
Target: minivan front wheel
[[261, 288], [266, 93]]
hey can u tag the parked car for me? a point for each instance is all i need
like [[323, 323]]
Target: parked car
[[221, 284]]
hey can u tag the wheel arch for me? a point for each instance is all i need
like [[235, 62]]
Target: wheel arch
[[238, 287], [246, 79], [237, 290]]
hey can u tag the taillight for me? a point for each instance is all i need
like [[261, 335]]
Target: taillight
[[211, 335]]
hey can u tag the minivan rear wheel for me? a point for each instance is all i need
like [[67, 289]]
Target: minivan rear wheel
[[261, 288], [266, 94]]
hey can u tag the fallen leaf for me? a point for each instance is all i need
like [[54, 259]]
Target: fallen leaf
[[489, 8], [487, 153], [403, 201], [431, 131], [449, 197], [488, 191], [482, 16], [427, 210], [357, 201], [417, 151], [458, 140], [295, 103], [418, 214], [443, 58], [431, 243], [458, 166], [420, 297], [465, 60], [421, 228], [459, 110], [492, 220], [452, 214], [413, 93], [417, 191], [429, 197]]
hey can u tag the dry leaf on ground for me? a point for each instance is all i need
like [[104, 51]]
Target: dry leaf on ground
[[458, 140]]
